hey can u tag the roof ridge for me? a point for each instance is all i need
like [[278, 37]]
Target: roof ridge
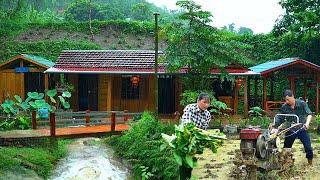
[[110, 50]]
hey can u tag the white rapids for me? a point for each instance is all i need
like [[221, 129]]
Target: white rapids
[[89, 159]]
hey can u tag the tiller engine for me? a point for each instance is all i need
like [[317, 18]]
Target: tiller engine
[[260, 150]]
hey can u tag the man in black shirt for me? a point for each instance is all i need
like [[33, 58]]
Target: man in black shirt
[[301, 109]]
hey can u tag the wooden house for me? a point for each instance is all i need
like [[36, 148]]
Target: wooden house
[[117, 80], [22, 74]]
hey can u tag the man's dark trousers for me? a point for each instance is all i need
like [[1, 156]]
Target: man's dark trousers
[[304, 138]]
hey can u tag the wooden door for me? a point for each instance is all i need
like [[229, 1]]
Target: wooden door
[[88, 92]]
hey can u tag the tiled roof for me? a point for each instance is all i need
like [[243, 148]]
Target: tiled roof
[[116, 62], [83, 70], [275, 65], [128, 59]]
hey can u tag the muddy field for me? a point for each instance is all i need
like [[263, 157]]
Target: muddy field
[[220, 165]]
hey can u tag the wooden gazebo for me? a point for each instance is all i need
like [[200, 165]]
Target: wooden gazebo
[[23, 73], [296, 71]]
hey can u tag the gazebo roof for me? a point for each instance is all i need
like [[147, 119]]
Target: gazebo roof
[[274, 65], [37, 60]]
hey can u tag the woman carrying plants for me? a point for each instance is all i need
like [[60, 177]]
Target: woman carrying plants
[[191, 137], [198, 113]]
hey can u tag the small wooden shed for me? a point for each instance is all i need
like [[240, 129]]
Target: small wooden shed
[[22, 74]]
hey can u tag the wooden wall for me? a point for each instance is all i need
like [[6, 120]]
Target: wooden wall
[[144, 103], [105, 92], [109, 94], [73, 79], [11, 84]]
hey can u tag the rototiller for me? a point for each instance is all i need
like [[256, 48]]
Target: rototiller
[[260, 150]]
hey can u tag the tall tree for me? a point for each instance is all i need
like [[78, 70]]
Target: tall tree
[[83, 10], [141, 11], [299, 28], [300, 16], [200, 47], [245, 30]]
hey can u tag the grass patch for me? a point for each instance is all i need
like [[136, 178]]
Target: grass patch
[[39, 159]]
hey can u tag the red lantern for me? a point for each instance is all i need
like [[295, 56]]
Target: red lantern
[[135, 80], [239, 81]]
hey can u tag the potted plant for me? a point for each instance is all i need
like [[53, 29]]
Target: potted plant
[[242, 124], [231, 128], [63, 85], [188, 141], [216, 124]]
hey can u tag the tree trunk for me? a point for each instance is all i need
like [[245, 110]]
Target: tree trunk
[[90, 23]]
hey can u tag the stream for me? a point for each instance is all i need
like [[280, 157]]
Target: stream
[[89, 158]]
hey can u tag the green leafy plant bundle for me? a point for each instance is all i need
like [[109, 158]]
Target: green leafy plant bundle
[[189, 141]]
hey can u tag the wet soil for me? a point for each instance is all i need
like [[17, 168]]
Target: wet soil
[[220, 165]]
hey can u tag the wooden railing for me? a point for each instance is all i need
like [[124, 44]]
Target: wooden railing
[[84, 118], [273, 105]]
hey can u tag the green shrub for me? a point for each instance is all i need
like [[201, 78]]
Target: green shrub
[[140, 145], [257, 118]]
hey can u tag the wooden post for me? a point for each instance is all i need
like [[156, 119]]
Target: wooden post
[[292, 84], [317, 97], [125, 115], [305, 94], [110, 95], [46, 85], [22, 83], [255, 91], [249, 89], [236, 98], [87, 117], [245, 98], [264, 93], [52, 124], [113, 121], [272, 89], [156, 47], [34, 119]]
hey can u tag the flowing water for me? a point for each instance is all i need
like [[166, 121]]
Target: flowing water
[[88, 159]]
